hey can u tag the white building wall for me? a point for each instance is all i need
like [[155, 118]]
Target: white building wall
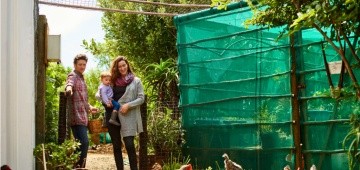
[[17, 89]]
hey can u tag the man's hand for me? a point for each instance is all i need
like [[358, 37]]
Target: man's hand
[[93, 110], [68, 91]]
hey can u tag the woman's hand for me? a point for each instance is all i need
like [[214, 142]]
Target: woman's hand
[[124, 109]]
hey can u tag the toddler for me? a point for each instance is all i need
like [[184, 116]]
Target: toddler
[[105, 95]]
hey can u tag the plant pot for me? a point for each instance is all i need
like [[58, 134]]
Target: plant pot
[[151, 161], [95, 138], [95, 126]]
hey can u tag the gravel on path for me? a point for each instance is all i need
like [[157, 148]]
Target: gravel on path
[[102, 158]]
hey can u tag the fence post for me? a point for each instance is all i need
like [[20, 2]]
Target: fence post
[[143, 156], [62, 118], [295, 103]]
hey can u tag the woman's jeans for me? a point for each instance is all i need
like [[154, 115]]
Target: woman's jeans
[[114, 132], [80, 134], [130, 149]]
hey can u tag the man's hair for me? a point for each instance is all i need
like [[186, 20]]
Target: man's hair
[[105, 74], [80, 57]]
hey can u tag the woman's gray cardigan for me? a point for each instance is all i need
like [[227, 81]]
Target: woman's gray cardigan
[[131, 123]]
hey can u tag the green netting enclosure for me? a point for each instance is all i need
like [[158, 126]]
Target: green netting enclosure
[[237, 95]]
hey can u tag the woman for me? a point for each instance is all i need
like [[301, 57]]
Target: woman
[[128, 90]]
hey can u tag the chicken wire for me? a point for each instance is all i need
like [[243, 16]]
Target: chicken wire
[[235, 98], [85, 3]]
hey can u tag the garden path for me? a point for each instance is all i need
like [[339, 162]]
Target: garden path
[[103, 159]]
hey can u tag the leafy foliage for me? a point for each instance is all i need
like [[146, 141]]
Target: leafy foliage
[[62, 156], [347, 92], [163, 78], [55, 78], [164, 133], [220, 4], [144, 39], [175, 162], [306, 13], [336, 21], [264, 116], [352, 139], [92, 78]]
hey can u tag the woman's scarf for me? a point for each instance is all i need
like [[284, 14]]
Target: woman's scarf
[[125, 81]]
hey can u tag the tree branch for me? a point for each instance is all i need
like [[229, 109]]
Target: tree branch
[[350, 45], [340, 52], [357, 32], [341, 78], [328, 75]]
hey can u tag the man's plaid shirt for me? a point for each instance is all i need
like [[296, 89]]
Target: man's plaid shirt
[[77, 104]]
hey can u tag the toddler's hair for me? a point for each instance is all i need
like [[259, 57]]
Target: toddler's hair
[[105, 74]]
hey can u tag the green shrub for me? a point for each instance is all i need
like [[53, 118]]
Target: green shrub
[[58, 156]]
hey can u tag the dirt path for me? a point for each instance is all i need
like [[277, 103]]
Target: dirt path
[[103, 159], [98, 161]]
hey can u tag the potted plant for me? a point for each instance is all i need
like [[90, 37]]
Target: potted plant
[[95, 123], [55, 156]]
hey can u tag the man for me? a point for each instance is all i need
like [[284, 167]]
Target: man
[[78, 106]]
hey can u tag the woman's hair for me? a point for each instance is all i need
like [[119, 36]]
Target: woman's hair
[[114, 68], [80, 57]]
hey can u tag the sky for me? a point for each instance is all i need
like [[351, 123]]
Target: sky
[[74, 26]]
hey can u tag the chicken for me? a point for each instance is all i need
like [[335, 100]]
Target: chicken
[[230, 165], [156, 166], [313, 167], [5, 167], [287, 167], [186, 167]]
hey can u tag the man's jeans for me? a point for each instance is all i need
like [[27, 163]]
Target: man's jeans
[[80, 134]]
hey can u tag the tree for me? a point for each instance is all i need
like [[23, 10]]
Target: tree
[[146, 40], [342, 18]]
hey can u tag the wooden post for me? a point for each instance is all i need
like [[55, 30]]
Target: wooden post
[[295, 104], [40, 82], [62, 118], [143, 155]]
